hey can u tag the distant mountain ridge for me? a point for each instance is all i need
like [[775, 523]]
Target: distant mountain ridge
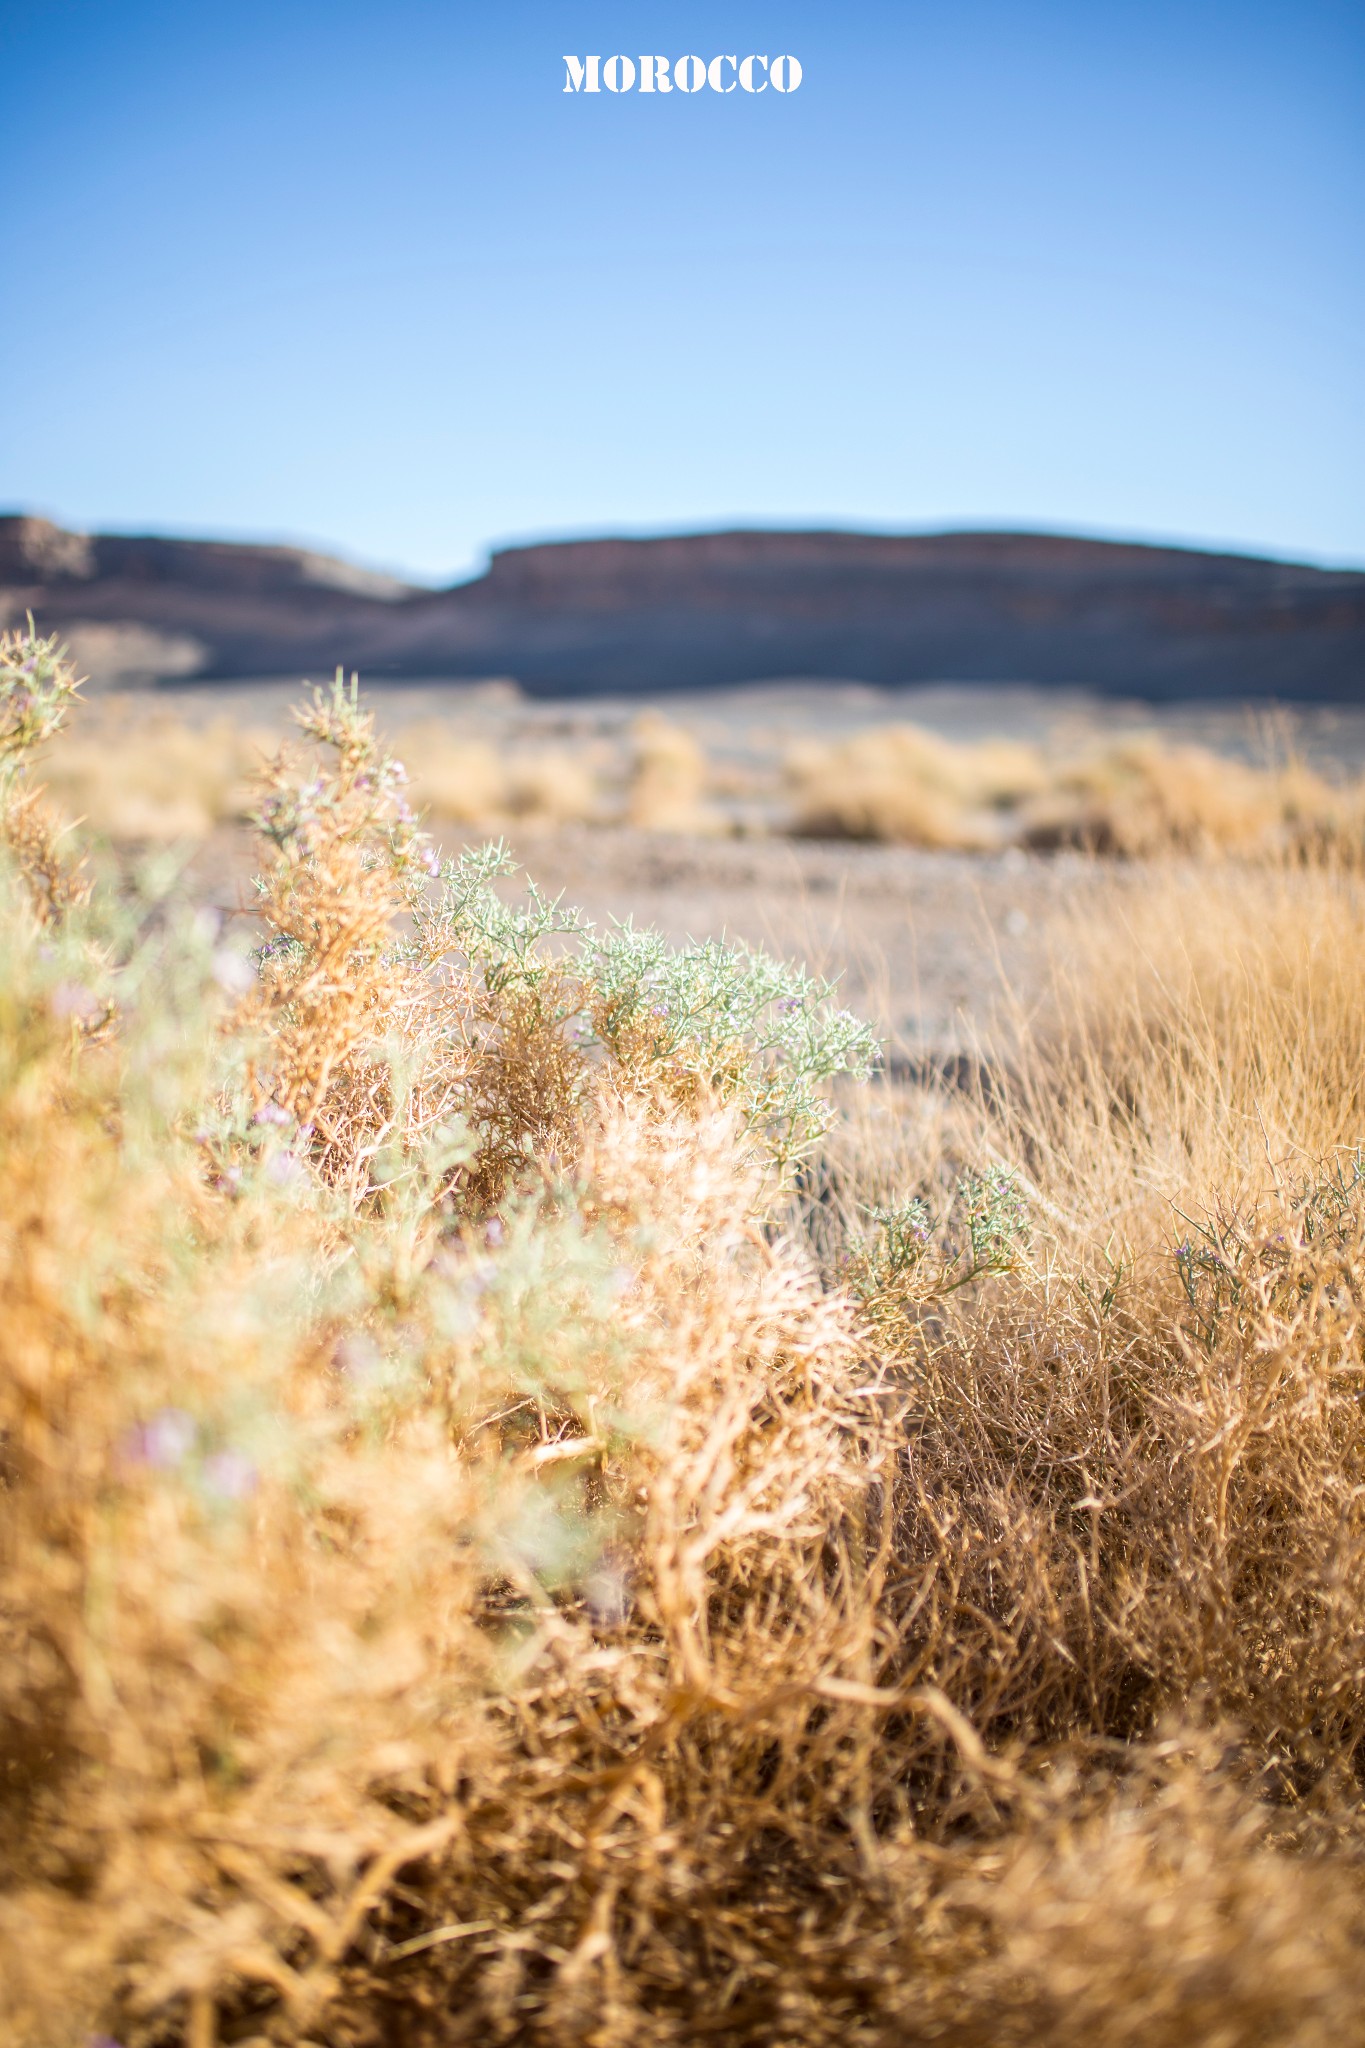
[[615, 615]]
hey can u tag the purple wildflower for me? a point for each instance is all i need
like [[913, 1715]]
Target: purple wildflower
[[358, 1357], [230, 1475], [165, 1442], [71, 999]]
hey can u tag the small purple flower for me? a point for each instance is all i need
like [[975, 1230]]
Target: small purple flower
[[230, 1475], [358, 1357], [165, 1442], [71, 999], [283, 1169], [271, 1113], [493, 1231]]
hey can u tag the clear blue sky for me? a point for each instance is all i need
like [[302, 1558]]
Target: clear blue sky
[[365, 276]]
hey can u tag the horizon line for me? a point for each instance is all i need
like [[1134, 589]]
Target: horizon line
[[721, 528]]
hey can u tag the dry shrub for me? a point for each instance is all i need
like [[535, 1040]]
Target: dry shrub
[[221, 1695], [669, 778], [465, 1575], [1135, 1455], [1158, 1916], [552, 788], [1141, 798], [465, 781], [37, 687], [1215, 1013], [148, 776], [33, 833], [458, 782], [903, 784], [1146, 797]]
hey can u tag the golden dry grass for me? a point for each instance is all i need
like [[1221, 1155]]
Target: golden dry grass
[[669, 779], [1139, 798], [488, 1556], [904, 784], [467, 781], [139, 773], [147, 775]]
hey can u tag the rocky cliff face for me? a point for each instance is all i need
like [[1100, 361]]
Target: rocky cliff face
[[706, 609]]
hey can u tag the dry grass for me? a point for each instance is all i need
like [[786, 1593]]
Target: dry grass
[[142, 775], [137, 773], [669, 780], [465, 781], [1141, 798], [903, 784], [487, 1555]]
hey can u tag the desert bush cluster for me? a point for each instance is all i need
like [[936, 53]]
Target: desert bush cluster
[[139, 772], [540, 1504], [1137, 798]]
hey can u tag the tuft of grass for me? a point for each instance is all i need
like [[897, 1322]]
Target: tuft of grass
[[669, 778], [147, 777], [906, 785], [1146, 798], [464, 781]]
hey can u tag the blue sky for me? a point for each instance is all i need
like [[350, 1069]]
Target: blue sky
[[366, 277]]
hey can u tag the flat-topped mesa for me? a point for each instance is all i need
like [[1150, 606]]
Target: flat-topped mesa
[[901, 567], [710, 609], [744, 551]]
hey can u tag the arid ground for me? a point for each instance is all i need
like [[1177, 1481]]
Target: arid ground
[[922, 937]]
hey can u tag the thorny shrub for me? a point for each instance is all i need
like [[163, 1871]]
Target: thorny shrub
[[37, 687]]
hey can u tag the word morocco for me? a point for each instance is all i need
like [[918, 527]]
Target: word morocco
[[690, 74]]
